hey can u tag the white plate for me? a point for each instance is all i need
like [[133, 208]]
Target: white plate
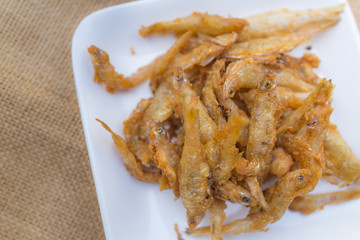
[[135, 210]]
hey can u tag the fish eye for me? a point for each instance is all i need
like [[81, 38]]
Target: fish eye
[[268, 84]]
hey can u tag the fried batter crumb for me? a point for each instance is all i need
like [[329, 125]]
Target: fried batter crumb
[[132, 51]]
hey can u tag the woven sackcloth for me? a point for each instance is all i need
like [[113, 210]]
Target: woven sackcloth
[[46, 184]]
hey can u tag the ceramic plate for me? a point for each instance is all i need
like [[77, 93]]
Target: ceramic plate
[[134, 210]]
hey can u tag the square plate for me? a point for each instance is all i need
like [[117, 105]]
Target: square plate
[[134, 210]]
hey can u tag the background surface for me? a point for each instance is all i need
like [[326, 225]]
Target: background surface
[[46, 185]]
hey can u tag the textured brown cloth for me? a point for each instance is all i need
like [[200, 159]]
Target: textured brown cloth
[[46, 185]]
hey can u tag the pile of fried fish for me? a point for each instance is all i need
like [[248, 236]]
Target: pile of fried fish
[[232, 110]]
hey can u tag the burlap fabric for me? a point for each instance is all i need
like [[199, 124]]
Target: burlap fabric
[[46, 185]]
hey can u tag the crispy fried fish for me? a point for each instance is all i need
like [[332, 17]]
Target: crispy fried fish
[[193, 170], [267, 49], [262, 129], [165, 157], [203, 23], [105, 72], [279, 198], [130, 162], [339, 157], [284, 21], [312, 203], [206, 52]]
